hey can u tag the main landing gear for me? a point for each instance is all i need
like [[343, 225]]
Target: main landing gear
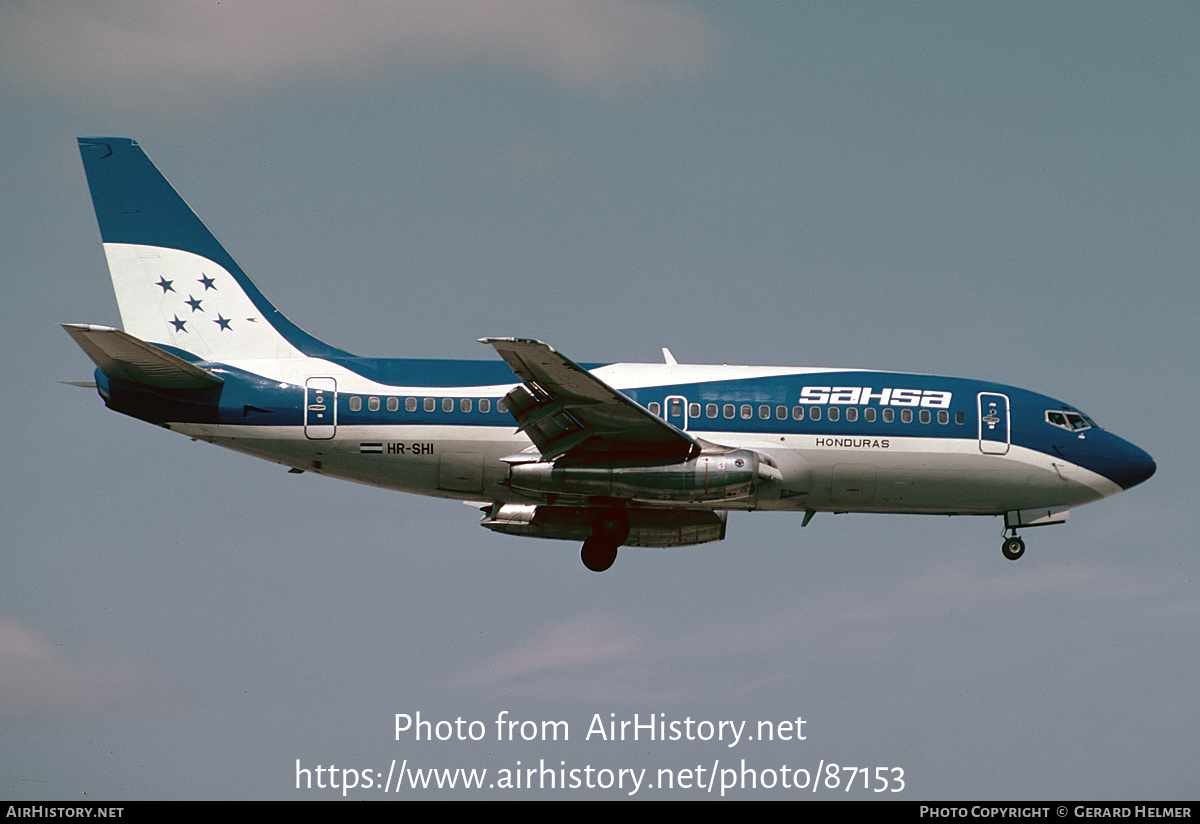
[[1013, 547], [598, 553], [600, 550]]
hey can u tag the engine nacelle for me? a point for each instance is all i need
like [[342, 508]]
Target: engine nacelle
[[707, 479], [647, 527]]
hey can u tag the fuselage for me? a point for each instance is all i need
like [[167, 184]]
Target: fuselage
[[842, 439]]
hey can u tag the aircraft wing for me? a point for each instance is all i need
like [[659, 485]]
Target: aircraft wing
[[570, 413]]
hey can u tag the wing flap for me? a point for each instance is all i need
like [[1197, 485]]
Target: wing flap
[[570, 413], [121, 356]]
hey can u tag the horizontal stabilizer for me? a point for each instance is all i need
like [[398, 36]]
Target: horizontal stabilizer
[[123, 357]]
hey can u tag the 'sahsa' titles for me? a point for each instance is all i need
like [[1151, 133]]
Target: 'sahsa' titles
[[862, 395]]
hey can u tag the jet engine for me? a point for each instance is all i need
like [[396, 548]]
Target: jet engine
[[708, 478], [647, 527]]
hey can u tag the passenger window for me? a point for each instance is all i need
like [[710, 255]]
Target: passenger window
[[814, 413], [797, 413], [747, 411], [501, 406], [729, 410], [410, 404], [654, 408], [943, 416], [447, 404], [693, 410], [925, 416], [781, 412], [676, 409], [889, 415], [834, 414], [906, 416], [464, 405], [869, 414], [393, 404], [485, 405], [764, 412], [430, 404], [710, 410], [355, 403], [852, 413], [373, 404], [960, 418]]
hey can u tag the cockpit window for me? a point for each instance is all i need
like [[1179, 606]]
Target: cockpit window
[[1070, 421]]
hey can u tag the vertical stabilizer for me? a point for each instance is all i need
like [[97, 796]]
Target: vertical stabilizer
[[175, 282]]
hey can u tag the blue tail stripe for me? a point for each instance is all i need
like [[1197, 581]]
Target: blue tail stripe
[[136, 204]]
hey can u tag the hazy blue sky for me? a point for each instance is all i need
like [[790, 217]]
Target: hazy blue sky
[[1003, 191]]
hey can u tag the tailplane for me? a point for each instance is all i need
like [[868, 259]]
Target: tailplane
[[121, 356], [175, 282]]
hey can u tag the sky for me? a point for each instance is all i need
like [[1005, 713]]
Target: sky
[[1000, 191]]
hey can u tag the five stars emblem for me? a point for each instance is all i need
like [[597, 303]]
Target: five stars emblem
[[222, 322]]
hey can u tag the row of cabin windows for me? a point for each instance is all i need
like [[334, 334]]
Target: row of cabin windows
[[797, 413], [729, 410], [429, 404]]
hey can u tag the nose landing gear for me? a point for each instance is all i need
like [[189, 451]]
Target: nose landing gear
[[1013, 547]]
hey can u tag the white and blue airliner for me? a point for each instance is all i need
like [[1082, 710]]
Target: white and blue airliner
[[619, 454]]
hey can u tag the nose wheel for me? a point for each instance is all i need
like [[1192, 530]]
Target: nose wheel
[[1013, 547]]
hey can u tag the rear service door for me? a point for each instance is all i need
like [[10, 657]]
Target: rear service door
[[320, 408]]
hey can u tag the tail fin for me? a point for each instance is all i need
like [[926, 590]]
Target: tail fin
[[175, 282]]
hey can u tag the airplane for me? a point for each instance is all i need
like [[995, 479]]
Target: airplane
[[615, 454]]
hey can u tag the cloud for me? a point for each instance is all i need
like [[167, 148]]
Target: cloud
[[560, 659], [38, 681], [574, 643], [588, 658], [621, 659], [183, 52]]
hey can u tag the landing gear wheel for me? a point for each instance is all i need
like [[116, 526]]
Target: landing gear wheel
[[598, 553], [1013, 548]]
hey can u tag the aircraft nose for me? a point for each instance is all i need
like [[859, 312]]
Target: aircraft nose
[[1128, 465]]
